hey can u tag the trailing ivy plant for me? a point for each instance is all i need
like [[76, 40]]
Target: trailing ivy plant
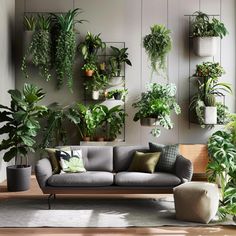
[[40, 49], [158, 102], [157, 44], [65, 46]]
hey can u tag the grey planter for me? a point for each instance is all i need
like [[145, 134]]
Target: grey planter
[[205, 46], [148, 121], [18, 179]]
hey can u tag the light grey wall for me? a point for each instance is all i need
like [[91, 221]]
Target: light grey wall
[[7, 71], [130, 21]]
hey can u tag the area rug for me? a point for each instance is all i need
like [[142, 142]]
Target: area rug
[[77, 212]]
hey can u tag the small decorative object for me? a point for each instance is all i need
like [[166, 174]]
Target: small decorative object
[[205, 33], [65, 46], [203, 103], [157, 45], [20, 122], [157, 103]]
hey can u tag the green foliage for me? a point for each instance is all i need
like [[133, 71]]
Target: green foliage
[[20, 122], [222, 167], [222, 113], [231, 127], [54, 133], [209, 69], [202, 26], [30, 23], [98, 82], [118, 57], [121, 92], [40, 49], [158, 102], [89, 48], [157, 44], [65, 46], [89, 66]]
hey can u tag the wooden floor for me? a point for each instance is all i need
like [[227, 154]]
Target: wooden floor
[[35, 192]]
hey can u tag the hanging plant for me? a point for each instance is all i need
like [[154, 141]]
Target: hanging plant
[[157, 44], [65, 46], [40, 47]]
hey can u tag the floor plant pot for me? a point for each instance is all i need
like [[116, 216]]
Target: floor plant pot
[[18, 178], [210, 115], [205, 46], [148, 121], [95, 95]]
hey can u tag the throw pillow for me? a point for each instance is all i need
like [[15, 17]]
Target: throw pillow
[[56, 167], [144, 162], [71, 161], [168, 156]]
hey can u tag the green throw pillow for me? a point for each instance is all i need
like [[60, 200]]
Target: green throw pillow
[[56, 167], [144, 162], [168, 156], [71, 161]]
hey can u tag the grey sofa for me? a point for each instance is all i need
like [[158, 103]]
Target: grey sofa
[[107, 174]]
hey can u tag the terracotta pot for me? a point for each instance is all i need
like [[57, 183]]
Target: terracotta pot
[[89, 73], [86, 139], [100, 139]]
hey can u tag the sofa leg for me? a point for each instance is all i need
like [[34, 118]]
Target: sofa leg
[[49, 200]]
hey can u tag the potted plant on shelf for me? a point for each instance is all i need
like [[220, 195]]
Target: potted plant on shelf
[[20, 122], [205, 33], [98, 83], [221, 169], [65, 48], [39, 50], [117, 94], [91, 117], [89, 68], [90, 46], [157, 45], [155, 107], [118, 58], [203, 103]]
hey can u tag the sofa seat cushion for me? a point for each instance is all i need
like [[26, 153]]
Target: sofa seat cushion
[[86, 179], [157, 179]]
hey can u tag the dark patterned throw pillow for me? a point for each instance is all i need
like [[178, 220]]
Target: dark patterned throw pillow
[[168, 156]]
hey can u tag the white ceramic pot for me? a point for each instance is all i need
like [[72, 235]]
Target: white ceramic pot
[[95, 95], [210, 115], [205, 46], [115, 81]]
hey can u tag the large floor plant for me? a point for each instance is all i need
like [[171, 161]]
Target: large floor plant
[[65, 45], [158, 103], [222, 170], [20, 123]]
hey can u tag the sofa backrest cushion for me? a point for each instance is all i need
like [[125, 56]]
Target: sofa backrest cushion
[[96, 158], [123, 156]]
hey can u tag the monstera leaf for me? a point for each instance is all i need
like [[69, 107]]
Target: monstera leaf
[[74, 164]]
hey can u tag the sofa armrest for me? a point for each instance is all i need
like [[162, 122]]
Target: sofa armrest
[[43, 170], [183, 169]]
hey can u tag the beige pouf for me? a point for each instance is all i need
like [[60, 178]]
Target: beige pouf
[[196, 201]]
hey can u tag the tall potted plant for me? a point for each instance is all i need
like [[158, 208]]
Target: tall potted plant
[[20, 122], [205, 33], [157, 45], [203, 103], [155, 107], [39, 50]]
